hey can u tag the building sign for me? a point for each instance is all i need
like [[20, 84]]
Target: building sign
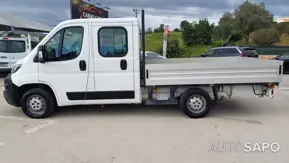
[[80, 9]]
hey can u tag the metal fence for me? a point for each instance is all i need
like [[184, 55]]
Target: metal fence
[[271, 50]]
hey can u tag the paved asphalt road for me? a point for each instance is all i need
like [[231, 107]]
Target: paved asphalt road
[[139, 134]]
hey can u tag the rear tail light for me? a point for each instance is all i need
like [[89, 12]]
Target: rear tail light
[[244, 55]]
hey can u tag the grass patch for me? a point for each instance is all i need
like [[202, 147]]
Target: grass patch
[[284, 40], [154, 43]]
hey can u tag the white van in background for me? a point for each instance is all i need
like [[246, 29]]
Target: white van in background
[[12, 50]]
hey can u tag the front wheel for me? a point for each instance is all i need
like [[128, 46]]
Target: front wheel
[[195, 103], [38, 103]]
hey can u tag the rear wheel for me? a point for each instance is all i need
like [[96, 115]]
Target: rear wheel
[[195, 103], [38, 103]]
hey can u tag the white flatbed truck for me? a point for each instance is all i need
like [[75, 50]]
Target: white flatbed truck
[[97, 62]]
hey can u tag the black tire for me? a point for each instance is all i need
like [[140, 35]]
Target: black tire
[[202, 99], [42, 96]]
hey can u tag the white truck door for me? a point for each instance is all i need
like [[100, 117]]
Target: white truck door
[[113, 64], [67, 73]]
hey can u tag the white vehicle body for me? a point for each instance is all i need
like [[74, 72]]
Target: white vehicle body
[[100, 74], [12, 50]]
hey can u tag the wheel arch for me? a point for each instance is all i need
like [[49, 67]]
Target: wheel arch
[[24, 88], [200, 113], [202, 88]]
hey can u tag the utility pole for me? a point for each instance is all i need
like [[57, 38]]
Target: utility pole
[[135, 12]]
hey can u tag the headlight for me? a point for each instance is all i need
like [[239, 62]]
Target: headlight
[[15, 68]]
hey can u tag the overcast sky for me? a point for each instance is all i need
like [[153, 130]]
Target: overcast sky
[[170, 12]]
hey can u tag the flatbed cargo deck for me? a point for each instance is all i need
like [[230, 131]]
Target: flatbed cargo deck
[[200, 71]]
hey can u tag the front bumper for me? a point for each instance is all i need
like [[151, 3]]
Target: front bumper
[[11, 92]]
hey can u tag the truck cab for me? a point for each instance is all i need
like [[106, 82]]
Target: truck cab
[[83, 62]]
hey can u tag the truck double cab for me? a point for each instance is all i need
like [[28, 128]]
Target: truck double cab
[[97, 62]]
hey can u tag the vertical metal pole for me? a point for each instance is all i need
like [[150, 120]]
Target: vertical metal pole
[[71, 17], [143, 47]]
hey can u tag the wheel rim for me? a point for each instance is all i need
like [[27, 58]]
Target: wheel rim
[[36, 104], [196, 103]]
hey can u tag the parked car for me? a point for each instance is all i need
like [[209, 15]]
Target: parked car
[[153, 55], [285, 58], [231, 51]]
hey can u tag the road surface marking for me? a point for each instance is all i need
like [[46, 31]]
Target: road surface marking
[[1, 143], [13, 118], [38, 127]]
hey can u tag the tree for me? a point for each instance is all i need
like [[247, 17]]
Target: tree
[[173, 49], [204, 31], [226, 25], [185, 25], [286, 27], [149, 30], [161, 28], [156, 30], [250, 17], [197, 33], [266, 36], [189, 34], [280, 27], [286, 30], [176, 30]]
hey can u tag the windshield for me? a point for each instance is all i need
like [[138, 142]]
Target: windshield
[[12, 46], [3, 46], [17, 46]]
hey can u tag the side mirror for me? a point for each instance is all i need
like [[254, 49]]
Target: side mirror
[[41, 54]]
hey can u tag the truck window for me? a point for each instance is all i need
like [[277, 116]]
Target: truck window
[[112, 42], [249, 51], [3, 46], [227, 52], [210, 52], [17, 46], [71, 44]]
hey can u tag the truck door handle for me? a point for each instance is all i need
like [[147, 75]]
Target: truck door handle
[[3, 57], [123, 64], [82, 65]]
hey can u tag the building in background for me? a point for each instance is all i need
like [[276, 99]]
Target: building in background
[[280, 19], [80, 9]]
